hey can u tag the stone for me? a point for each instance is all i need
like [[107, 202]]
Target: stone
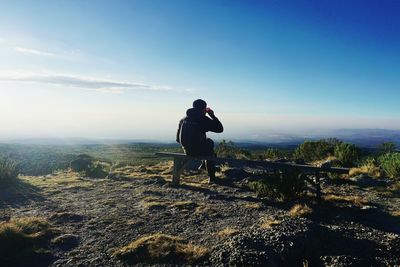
[[66, 241]]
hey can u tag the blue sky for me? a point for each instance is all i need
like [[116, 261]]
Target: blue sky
[[129, 69]]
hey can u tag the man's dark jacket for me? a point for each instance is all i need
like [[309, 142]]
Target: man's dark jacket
[[192, 128]]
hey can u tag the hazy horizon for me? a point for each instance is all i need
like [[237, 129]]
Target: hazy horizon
[[130, 69]]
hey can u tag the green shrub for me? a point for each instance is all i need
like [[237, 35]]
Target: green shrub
[[390, 164], [387, 147], [347, 154], [315, 150], [8, 170], [273, 154], [96, 170], [284, 186], [81, 163], [227, 149]]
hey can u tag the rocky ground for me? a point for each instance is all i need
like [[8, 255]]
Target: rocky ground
[[357, 223]]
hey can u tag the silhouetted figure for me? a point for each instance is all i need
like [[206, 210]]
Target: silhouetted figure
[[192, 130]]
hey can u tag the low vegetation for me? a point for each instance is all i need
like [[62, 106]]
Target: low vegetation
[[274, 154], [90, 167], [300, 210], [255, 206], [46, 159], [390, 164], [161, 248], [228, 232], [310, 151], [268, 223], [369, 166], [285, 185], [355, 200], [228, 149], [347, 154], [387, 147], [8, 171], [24, 240]]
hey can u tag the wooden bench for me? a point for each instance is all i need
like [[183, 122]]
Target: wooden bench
[[181, 161]]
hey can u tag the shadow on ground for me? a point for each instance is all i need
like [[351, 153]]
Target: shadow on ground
[[19, 193]]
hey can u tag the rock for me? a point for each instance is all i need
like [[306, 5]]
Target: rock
[[66, 241]]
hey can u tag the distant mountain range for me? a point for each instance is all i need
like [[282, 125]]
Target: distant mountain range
[[361, 137]]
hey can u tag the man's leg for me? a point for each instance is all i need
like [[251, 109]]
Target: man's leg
[[210, 165]]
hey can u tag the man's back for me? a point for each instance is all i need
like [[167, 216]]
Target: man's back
[[192, 128]]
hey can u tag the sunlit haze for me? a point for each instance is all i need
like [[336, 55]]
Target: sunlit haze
[[130, 69]]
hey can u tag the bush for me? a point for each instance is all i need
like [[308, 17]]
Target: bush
[[284, 186], [8, 170], [96, 170], [347, 154], [390, 164], [273, 154], [315, 150], [387, 147], [24, 241], [86, 164], [81, 163], [229, 150]]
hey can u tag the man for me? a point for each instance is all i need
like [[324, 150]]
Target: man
[[192, 130]]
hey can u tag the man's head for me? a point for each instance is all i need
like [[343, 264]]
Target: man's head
[[200, 104]]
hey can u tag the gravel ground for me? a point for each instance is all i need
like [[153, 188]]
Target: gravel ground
[[98, 216]]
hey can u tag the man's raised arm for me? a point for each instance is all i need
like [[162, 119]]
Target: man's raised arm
[[214, 125]]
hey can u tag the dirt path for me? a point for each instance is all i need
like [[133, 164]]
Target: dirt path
[[238, 228]]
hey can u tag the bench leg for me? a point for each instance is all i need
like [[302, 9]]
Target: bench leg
[[318, 186], [179, 166]]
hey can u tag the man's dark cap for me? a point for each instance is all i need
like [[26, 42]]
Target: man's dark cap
[[199, 104]]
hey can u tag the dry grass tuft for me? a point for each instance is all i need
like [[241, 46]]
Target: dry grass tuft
[[268, 223], [255, 206], [322, 161], [155, 205], [300, 210], [395, 213], [183, 205], [206, 210], [368, 169], [356, 200], [24, 240], [395, 188], [227, 232], [161, 248]]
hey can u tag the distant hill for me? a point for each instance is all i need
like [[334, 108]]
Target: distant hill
[[361, 137]]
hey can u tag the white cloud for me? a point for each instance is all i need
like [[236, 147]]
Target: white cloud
[[33, 51], [87, 83]]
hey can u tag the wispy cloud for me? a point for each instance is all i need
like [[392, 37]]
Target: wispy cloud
[[87, 83], [33, 51]]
